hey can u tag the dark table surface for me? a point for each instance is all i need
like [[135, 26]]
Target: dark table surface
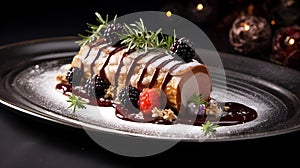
[[26, 141]]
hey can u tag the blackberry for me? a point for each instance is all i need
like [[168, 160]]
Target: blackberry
[[90, 87], [101, 85], [112, 31], [129, 97], [183, 48], [95, 86], [76, 74]]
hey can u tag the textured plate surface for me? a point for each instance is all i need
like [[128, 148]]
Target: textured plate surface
[[27, 81]]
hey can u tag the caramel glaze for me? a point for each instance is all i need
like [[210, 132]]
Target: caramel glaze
[[237, 113]]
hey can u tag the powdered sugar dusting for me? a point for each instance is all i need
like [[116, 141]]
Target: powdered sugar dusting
[[37, 85]]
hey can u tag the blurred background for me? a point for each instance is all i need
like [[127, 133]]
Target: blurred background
[[262, 29]]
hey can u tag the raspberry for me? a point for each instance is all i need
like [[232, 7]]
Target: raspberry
[[183, 48], [76, 74], [149, 98], [96, 86], [129, 97], [112, 31]]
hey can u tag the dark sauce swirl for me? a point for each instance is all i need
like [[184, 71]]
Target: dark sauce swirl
[[237, 114]]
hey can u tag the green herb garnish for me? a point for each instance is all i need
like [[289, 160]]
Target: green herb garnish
[[94, 31], [136, 35], [197, 99], [76, 102], [209, 128], [169, 40]]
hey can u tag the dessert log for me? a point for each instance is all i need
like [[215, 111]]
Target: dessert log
[[146, 76]]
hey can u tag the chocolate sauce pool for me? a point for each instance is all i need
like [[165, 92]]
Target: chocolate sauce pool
[[236, 114]]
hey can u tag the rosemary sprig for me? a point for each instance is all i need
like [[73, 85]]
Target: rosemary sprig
[[94, 31], [209, 128], [169, 40], [76, 102], [137, 37], [197, 99]]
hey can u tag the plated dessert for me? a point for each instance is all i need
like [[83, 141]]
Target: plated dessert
[[147, 76]]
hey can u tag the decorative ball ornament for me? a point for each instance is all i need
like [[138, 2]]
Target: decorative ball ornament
[[286, 46], [250, 34]]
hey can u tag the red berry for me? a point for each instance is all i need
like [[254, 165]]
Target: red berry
[[149, 98]]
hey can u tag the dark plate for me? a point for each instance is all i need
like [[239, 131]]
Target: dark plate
[[27, 84]]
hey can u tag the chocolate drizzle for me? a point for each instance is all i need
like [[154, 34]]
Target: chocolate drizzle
[[102, 71], [168, 76], [133, 65], [156, 73], [88, 53], [97, 56], [92, 45], [97, 42], [139, 83], [117, 74], [166, 80]]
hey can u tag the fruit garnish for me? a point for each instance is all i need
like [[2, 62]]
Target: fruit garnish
[[129, 97], [76, 102], [149, 99], [196, 105], [96, 86], [183, 48], [94, 31], [74, 76], [136, 36], [112, 31], [197, 109]]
